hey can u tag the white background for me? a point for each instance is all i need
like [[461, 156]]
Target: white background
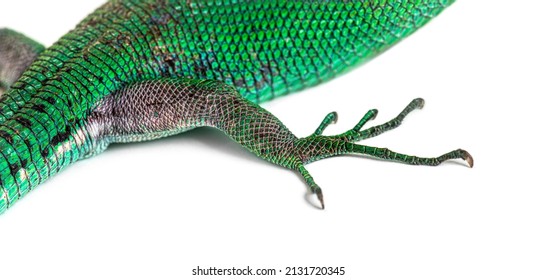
[[157, 210]]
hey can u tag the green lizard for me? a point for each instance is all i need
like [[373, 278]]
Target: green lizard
[[137, 70]]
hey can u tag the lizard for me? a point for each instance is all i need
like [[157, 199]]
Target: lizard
[[137, 70]]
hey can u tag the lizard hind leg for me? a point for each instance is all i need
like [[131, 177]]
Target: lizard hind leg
[[152, 109]]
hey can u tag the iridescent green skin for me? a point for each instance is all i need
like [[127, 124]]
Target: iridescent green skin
[[139, 70]]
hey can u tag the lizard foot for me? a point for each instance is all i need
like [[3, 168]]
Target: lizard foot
[[318, 146]]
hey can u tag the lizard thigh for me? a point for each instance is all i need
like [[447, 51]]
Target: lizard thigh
[[153, 109]]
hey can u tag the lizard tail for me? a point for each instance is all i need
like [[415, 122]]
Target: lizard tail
[[35, 144]]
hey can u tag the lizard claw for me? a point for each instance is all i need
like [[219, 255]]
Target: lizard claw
[[320, 197], [468, 158]]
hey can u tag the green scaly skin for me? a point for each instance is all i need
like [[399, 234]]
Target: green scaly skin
[[138, 70]]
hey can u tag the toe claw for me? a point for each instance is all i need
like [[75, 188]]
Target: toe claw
[[320, 197], [468, 158], [375, 114], [335, 117]]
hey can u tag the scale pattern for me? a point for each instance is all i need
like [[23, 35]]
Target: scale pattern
[[141, 69]]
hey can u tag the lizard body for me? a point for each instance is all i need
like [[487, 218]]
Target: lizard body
[[137, 70]]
